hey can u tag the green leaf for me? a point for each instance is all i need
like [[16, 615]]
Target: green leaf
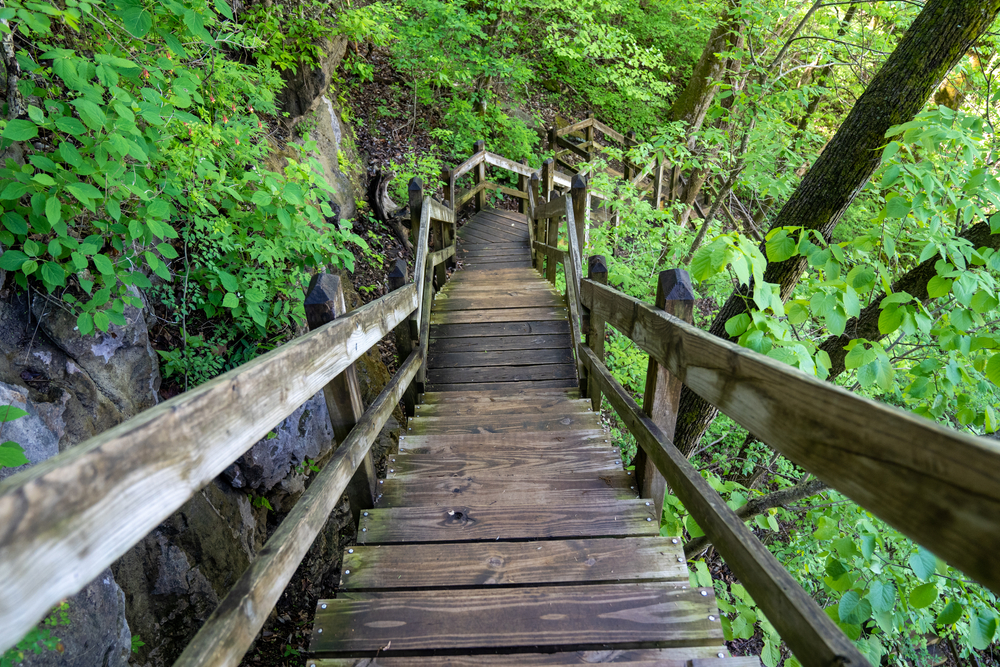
[[983, 302], [167, 250], [254, 295], [91, 114], [923, 563], [890, 319], [867, 546], [923, 595], [53, 211], [104, 265], [223, 8], [196, 24], [992, 366], [53, 274], [951, 613], [70, 126], [228, 281], [701, 263], [137, 20], [780, 246], [101, 320], [11, 260], [882, 596], [230, 300], [854, 609], [982, 629], [826, 529], [835, 568], [9, 413], [861, 278], [12, 455], [897, 207], [261, 198], [694, 530], [158, 209], [938, 287], [737, 324], [85, 323], [20, 130]]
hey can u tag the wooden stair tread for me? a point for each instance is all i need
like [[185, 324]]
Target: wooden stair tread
[[688, 656], [565, 372], [510, 328], [539, 405], [649, 615], [518, 395], [470, 564], [505, 442], [437, 492], [494, 301], [459, 522], [429, 466], [500, 386], [493, 423]]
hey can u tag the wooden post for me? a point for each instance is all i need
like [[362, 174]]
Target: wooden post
[[479, 176], [630, 170], [535, 224], [439, 233], [663, 390], [403, 334], [553, 144], [522, 185], [589, 134], [658, 183], [581, 213], [551, 234], [593, 327], [448, 177], [324, 303], [415, 190]]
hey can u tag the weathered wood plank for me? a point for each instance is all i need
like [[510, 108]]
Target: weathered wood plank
[[500, 329], [552, 209], [465, 195], [517, 396], [648, 615], [609, 132], [807, 630], [482, 490], [479, 265], [503, 424], [690, 656], [575, 127], [573, 148], [503, 189], [64, 520], [484, 220], [439, 256], [444, 445], [458, 522], [541, 314], [233, 626], [502, 386], [509, 165], [508, 218], [487, 344], [501, 374], [513, 563], [944, 494], [539, 299], [468, 165], [482, 235], [439, 211], [521, 405], [530, 357], [502, 466]]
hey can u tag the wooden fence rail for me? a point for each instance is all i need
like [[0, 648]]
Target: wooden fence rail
[[65, 520]]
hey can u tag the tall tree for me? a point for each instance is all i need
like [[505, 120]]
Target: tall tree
[[939, 37]]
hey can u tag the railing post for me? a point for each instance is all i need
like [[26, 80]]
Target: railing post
[[663, 390], [581, 214], [439, 233], [658, 183], [589, 134], [448, 178], [593, 327], [533, 222], [479, 175], [522, 185], [630, 170], [324, 303], [403, 334], [553, 144], [415, 190], [552, 225]]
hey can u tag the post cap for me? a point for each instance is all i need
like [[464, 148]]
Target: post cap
[[416, 185], [579, 182], [398, 270], [674, 285], [323, 287], [596, 265]]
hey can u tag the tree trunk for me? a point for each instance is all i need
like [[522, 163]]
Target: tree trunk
[[939, 37]]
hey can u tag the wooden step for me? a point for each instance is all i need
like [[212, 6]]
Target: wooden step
[[495, 396], [516, 520], [494, 301], [499, 329], [441, 445], [646, 615], [471, 564], [500, 386], [691, 656], [502, 465], [479, 359], [486, 374], [540, 405], [494, 423], [441, 492]]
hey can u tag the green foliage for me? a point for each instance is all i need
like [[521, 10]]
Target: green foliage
[[426, 167], [40, 639], [137, 643], [295, 32], [11, 453]]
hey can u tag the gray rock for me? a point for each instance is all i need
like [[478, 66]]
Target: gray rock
[[306, 84], [38, 432], [176, 576], [120, 361], [97, 634]]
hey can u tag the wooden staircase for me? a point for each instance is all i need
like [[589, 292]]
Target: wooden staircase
[[507, 530]]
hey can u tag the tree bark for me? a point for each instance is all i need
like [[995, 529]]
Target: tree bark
[[938, 38]]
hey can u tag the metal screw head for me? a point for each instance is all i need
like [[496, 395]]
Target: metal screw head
[[350, 551], [720, 654], [711, 618], [648, 519], [704, 594], [628, 472], [680, 559], [319, 631], [392, 470], [366, 513], [618, 462], [381, 481], [674, 541], [347, 571], [322, 606], [364, 530], [647, 504], [393, 460]]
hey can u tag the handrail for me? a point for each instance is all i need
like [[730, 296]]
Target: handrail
[[233, 626], [939, 487], [65, 520], [808, 631]]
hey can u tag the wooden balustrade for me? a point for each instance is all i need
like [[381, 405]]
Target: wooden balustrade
[[65, 520]]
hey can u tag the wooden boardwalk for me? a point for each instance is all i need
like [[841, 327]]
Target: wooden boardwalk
[[507, 530]]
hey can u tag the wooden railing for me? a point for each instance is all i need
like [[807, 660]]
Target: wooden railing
[[65, 520], [939, 487]]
